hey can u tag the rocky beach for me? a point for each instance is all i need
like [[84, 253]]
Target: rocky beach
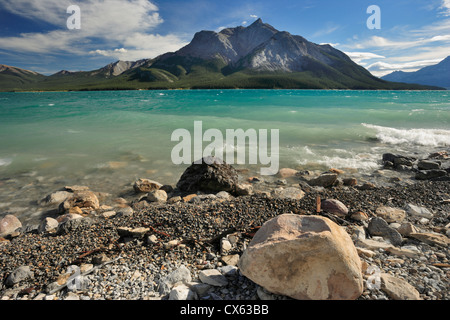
[[383, 236]]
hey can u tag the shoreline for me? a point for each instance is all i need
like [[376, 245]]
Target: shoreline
[[229, 89], [131, 242]]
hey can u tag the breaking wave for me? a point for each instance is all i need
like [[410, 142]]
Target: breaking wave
[[419, 137]]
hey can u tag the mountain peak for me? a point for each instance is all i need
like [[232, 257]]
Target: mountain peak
[[258, 22]]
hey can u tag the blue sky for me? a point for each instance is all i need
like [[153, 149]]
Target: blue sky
[[34, 33]]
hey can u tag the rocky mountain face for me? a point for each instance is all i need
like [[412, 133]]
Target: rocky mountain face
[[16, 71], [436, 75], [259, 47]]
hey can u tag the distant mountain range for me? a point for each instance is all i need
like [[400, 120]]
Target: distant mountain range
[[257, 57], [436, 75]]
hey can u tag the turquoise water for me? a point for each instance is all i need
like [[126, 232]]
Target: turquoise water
[[107, 139]]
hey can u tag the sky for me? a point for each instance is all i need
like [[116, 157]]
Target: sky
[[45, 37]]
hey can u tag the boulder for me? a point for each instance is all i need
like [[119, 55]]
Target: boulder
[[304, 257], [211, 175], [146, 185], [334, 206], [324, 180], [8, 225]]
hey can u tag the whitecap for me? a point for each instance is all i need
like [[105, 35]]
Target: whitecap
[[419, 137], [5, 162], [308, 150]]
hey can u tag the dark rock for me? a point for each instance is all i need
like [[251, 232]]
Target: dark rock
[[324, 180], [379, 227], [397, 161], [211, 175], [430, 174], [428, 165], [72, 225]]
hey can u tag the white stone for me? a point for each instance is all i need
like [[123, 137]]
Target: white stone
[[417, 211], [182, 292]]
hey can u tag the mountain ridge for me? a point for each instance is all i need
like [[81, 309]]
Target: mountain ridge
[[254, 57], [435, 75]]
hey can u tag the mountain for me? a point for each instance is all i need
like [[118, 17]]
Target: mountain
[[257, 56], [436, 75], [16, 77]]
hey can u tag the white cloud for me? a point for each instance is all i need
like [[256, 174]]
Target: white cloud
[[445, 7], [253, 16], [124, 24], [360, 56], [382, 68]]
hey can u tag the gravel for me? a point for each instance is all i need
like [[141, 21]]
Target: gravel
[[188, 235]]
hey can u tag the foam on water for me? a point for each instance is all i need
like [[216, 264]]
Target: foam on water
[[5, 162], [418, 137]]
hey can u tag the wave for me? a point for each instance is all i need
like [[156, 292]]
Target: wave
[[419, 137], [5, 162]]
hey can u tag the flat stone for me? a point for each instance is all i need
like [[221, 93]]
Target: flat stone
[[431, 238], [391, 214], [398, 289], [290, 193], [430, 174], [428, 165], [231, 260], [213, 277], [286, 172], [417, 211]]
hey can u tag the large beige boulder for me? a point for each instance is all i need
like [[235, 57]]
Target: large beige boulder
[[9, 224], [304, 257]]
